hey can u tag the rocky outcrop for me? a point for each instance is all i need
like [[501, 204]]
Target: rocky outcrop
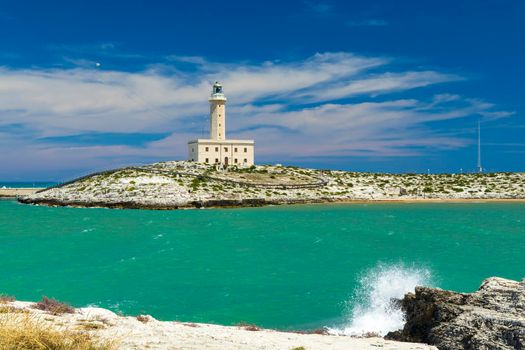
[[174, 185], [491, 318]]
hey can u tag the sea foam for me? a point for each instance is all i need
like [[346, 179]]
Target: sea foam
[[371, 310]]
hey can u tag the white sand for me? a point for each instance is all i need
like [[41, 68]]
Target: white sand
[[130, 333]]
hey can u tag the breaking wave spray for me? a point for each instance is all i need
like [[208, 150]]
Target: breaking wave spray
[[371, 309]]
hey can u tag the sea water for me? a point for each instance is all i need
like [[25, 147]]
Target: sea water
[[286, 267]]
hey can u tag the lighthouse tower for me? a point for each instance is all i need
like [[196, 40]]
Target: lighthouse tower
[[218, 149], [217, 113]]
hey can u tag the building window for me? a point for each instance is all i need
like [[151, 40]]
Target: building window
[[245, 160], [245, 150], [207, 160], [235, 149], [225, 149], [192, 159], [216, 160], [216, 149], [235, 161], [207, 149], [226, 160], [192, 149]]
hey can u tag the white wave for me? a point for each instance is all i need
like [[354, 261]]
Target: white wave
[[372, 309]]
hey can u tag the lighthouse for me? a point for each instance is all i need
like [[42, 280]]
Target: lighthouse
[[218, 149], [217, 113]]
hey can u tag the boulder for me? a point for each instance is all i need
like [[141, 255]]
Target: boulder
[[491, 318]]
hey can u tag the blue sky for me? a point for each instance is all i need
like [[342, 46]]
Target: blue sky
[[394, 86]]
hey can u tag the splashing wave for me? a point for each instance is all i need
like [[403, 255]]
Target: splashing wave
[[372, 310]]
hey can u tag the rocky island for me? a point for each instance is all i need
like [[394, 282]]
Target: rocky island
[[184, 184]]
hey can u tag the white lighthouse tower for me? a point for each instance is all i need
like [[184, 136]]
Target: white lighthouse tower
[[217, 113], [218, 149]]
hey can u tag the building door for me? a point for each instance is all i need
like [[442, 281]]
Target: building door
[[225, 160]]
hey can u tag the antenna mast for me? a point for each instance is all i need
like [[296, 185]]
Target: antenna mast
[[480, 169]]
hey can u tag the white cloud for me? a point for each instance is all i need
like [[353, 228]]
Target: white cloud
[[290, 108], [379, 84]]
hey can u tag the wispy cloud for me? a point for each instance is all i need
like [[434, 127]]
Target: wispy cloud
[[293, 109], [379, 84]]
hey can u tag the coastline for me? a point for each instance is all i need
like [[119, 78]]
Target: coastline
[[255, 203], [13, 192], [490, 317], [143, 331], [185, 185], [435, 200]]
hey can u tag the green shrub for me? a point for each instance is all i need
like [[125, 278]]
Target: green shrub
[[195, 183]]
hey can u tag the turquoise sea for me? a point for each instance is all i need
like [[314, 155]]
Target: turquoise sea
[[287, 267]]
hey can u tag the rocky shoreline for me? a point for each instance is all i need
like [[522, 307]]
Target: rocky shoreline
[[145, 332], [178, 185], [491, 318]]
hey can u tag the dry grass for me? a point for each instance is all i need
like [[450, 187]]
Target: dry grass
[[12, 310], [23, 333], [53, 306]]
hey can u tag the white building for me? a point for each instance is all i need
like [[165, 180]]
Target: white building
[[218, 149]]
